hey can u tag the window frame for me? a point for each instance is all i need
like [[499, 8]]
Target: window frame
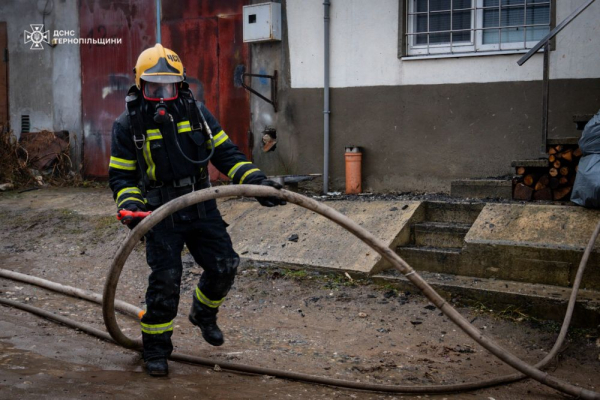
[[432, 49], [407, 35]]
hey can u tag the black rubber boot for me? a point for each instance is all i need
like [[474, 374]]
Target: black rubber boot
[[206, 319], [158, 367]]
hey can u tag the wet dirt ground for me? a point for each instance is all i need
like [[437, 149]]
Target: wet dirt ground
[[300, 320]]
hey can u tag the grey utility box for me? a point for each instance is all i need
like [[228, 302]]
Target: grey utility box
[[262, 22]]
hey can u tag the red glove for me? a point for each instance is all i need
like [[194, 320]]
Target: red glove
[[131, 215]]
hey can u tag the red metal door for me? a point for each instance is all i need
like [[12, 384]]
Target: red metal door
[[106, 70], [206, 34], [208, 38], [195, 41], [234, 101]]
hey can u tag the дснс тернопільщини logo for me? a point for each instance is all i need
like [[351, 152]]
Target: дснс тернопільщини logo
[[36, 37]]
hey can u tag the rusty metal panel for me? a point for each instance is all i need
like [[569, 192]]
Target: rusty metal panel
[[196, 42], [192, 9], [208, 38], [106, 71], [234, 101], [206, 34]]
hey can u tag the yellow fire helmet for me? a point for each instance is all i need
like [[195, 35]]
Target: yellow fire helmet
[[160, 65]]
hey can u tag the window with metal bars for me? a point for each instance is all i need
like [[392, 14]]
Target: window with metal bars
[[447, 27]]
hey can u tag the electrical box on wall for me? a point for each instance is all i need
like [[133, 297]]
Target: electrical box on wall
[[262, 22]]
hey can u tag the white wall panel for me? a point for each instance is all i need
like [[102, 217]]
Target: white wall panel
[[364, 48]]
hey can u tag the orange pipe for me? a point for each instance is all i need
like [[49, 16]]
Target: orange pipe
[[353, 174]]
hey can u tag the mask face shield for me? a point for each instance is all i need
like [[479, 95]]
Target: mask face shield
[[154, 91]]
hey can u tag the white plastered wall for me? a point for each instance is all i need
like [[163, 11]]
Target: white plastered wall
[[364, 49]]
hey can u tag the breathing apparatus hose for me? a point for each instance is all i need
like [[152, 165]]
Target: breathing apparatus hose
[[208, 132], [109, 304]]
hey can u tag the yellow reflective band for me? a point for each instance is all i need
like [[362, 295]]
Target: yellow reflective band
[[151, 171], [122, 160], [248, 173], [128, 190], [130, 199], [219, 139], [184, 126], [154, 134], [235, 168], [121, 163], [156, 329], [117, 166], [205, 300]]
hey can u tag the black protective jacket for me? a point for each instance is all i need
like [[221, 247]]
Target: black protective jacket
[[160, 162]]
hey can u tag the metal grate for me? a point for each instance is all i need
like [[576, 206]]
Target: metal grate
[[471, 26], [25, 124]]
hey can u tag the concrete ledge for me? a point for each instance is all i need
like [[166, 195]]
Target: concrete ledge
[[481, 188], [508, 297], [541, 162], [543, 226], [569, 140], [440, 234], [540, 244], [456, 213], [295, 236], [532, 243]]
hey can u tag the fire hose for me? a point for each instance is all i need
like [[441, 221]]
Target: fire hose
[[109, 304]]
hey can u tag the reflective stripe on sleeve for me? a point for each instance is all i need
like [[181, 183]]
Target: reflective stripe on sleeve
[[236, 167], [128, 190], [219, 139], [205, 300], [248, 173], [156, 329], [119, 204], [121, 163]]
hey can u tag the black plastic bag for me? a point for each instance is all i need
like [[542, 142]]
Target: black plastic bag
[[586, 190]]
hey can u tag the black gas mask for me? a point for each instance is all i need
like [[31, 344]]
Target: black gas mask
[[160, 93], [161, 115]]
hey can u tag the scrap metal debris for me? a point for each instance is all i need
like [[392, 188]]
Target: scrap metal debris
[[35, 159]]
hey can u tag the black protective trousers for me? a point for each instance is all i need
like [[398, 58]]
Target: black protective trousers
[[210, 246]]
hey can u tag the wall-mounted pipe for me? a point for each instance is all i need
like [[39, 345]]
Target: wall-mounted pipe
[[326, 111], [158, 8]]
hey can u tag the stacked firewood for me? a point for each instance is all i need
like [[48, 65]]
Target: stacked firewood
[[554, 182]]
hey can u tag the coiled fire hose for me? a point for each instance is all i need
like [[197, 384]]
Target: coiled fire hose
[[109, 304]]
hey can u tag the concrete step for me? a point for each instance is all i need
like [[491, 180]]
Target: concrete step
[[440, 234], [434, 259], [532, 243], [532, 163], [460, 213], [481, 188], [545, 266], [507, 298], [563, 141]]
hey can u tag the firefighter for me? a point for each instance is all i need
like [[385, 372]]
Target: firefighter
[[160, 150]]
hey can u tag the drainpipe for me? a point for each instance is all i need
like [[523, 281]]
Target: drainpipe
[[326, 110], [158, 7]]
